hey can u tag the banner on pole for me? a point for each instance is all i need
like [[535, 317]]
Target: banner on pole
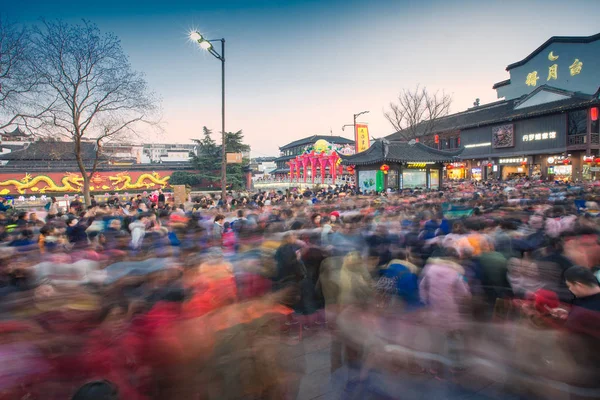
[[362, 137]]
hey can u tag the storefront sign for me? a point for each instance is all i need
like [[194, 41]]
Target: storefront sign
[[469, 146], [539, 136], [512, 160], [595, 169], [418, 165]]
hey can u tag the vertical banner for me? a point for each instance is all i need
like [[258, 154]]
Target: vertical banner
[[379, 181], [361, 137]]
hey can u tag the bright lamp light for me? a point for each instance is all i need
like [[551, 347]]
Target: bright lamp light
[[206, 45], [195, 36]]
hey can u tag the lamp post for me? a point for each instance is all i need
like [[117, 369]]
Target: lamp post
[[357, 115], [207, 45]]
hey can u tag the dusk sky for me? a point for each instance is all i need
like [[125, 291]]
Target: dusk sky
[[297, 68]]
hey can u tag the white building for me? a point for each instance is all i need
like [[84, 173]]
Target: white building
[[159, 152]]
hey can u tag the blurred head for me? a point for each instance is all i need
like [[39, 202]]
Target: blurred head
[[316, 219], [115, 224], [290, 237], [98, 390], [581, 281]]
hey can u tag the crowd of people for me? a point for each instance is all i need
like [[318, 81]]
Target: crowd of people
[[148, 299]]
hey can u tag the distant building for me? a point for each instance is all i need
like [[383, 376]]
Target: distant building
[[50, 155], [17, 135], [262, 166], [159, 152]]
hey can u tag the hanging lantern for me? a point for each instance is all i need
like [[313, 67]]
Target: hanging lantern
[[350, 169], [450, 166], [597, 160], [462, 166], [594, 113], [490, 165], [588, 159], [566, 161], [523, 163], [385, 168]]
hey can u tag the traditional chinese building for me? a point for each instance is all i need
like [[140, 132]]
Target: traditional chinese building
[[400, 165], [292, 150], [545, 125], [16, 135]]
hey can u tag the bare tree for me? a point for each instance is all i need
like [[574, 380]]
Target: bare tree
[[100, 98], [416, 112], [20, 87]]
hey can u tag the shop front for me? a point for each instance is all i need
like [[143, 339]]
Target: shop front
[[398, 166], [559, 168], [456, 171], [513, 168]]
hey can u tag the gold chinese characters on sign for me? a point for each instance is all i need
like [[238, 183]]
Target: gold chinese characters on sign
[[574, 69], [532, 78], [553, 72]]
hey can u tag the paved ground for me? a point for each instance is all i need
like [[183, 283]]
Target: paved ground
[[318, 384]]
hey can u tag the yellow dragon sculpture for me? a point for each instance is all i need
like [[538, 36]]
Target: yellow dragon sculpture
[[70, 183], [124, 180]]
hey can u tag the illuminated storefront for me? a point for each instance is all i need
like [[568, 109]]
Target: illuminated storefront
[[513, 168], [456, 171]]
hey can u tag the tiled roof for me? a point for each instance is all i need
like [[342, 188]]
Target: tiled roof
[[401, 152], [284, 158], [280, 171], [503, 111], [15, 133], [501, 83], [314, 138], [555, 39], [51, 151]]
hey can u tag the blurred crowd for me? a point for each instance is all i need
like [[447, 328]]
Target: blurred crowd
[[148, 299]]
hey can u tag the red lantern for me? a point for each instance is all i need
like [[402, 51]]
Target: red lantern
[[490, 165], [594, 113], [436, 138], [385, 168], [462, 166], [350, 169], [566, 161], [449, 166], [588, 159], [597, 160], [523, 163]]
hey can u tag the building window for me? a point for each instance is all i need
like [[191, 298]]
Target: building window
[[578, 122]]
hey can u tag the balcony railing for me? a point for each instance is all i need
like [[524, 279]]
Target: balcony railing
[[582, 139], [577, 140]]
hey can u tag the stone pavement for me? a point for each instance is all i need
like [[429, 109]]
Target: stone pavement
[[312, 353]]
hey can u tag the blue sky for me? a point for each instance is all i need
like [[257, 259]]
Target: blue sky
[[298, 68]]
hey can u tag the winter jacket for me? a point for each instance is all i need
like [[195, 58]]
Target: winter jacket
[[444, 290], [138, 231]]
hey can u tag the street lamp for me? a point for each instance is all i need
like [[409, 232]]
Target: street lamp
[[207, 45]]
